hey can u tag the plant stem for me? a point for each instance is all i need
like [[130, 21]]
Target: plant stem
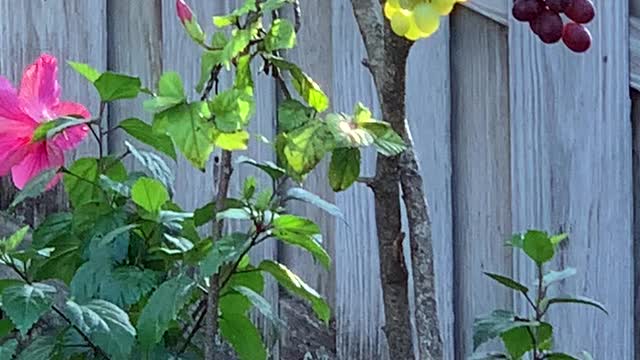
[[211, 317], [100, 139]]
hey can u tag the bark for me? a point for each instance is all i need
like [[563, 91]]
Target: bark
[[387, 61], [211, 316]]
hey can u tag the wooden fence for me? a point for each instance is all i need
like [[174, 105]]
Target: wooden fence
[[512, 134]]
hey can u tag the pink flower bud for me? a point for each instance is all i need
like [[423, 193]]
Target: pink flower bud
[[184, 12]]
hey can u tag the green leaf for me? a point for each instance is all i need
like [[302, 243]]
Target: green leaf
[[518, 340], [35, 187], [490, 326], [249, 187], [145, 134], [557, 239], [297, 286], [555, 276], [232, 301], [154, 166], [106, 325], [538, 246], [127, 285], [208, 60], [14, 240], [234, 214], [270, 5], [162, 308], [517, 241], [273, 170], [190, 130], [85, 70], [232, 109], [230, 19], [313, 199], [306, 146], [244, 78], [24, 304], [238, 140], [577, 300], [54, 226], [560, 356], [149, 194], [180, 244], [63, 261], [170, 93], [282, 35], [387, 141], [112, 86], [8, 349], [243, 336], [304, 85], [301, 232], [50, 129], [344, 168], [204, 214], [226, 250], [260, 303], [42, 348], [292, 114], [6, 327], [81, 186], [87, 280], [347, 133], [586, 355], [508, 282]]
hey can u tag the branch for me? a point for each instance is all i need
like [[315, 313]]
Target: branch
[[371, 24]]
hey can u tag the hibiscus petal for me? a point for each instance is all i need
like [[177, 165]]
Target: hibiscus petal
[[71, 137], [10, 105], [12, 152], [39, 89], [40, 157]]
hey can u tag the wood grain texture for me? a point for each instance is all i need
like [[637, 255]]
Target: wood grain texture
[[481, 169], [135, 48], [429, 114], [77, 32], [635, 120], [313, 54], [496, 10], [359, 309], [572, 172]]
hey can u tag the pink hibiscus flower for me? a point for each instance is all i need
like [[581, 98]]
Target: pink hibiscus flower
[[23, 111]]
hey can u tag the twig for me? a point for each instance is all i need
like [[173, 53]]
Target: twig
[[100, 134], [193, 332], [297, 15]]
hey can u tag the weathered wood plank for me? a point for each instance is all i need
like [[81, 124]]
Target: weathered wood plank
[[572, 172], [481, 168], [135, 48], [77, 31], [359, 308], [429, 114], [635, 119]]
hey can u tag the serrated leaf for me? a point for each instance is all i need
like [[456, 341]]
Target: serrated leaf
[[387, 141], [344, 168], [270, 5], [163, 307], [577, 300], [238, 140], [112, 86], [306, 146], [127, 285], [106, 325], [8, 349], [555, 276], [208, 60], [490, 326], [87, 280], [243, 336], [508, 282], [24, 304], [35, 187], [292, 114], [13, 241], [154, 166], [53, 227], [226, 250], [150, 194], [313, 199], [188, 126], [63, 262], [233, 109], [298, 287], [538, 246], [302, 233], [85, 70], [282, 35], [518, 340], [144, 133], [170, 93], [81, 185], [308, 89]]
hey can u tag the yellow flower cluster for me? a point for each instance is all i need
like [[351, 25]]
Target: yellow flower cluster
[[417, 19]]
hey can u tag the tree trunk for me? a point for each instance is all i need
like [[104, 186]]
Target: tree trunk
[[387, 61]]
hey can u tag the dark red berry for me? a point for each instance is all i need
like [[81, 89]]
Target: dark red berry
[[576, 37], [548, 26], [581, 11], [535, 26], [558, 5], [526, 10]]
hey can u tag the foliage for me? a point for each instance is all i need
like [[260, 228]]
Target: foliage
[[135, 265], [532, 335]]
